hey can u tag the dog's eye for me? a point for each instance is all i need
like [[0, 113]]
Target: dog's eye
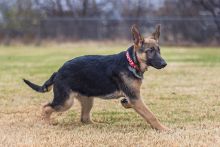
[[151, 50], [148, 50]]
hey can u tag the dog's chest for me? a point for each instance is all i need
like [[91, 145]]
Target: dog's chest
[[114, 95]]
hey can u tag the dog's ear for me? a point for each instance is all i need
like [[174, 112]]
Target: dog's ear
[[136, 35], [156, 33]]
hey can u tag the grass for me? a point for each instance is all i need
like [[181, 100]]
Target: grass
[[184, 96]]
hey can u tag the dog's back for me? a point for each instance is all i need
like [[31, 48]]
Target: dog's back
[[91, 75]]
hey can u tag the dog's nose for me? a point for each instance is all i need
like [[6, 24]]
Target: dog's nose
[[164, 64]]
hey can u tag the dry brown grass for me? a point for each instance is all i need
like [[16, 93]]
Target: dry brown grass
[[184, 96]]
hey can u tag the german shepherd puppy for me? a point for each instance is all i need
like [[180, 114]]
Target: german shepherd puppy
[[107, 77]]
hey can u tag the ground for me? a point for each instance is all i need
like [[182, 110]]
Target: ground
[[184, 96]]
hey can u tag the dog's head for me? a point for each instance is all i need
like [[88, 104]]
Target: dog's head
[[147, 49]]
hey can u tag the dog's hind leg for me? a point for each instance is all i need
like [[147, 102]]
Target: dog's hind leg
[[47, 110], [62, 101], [86, 106]]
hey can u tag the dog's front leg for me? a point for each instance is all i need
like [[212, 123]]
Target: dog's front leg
[[143, 110]]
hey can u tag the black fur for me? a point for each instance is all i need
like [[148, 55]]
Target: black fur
[[44, 87], [91, 75]]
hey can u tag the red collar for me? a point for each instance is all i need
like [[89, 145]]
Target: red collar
[[131, 62]]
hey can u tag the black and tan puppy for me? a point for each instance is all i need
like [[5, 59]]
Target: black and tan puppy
[[107, 77]]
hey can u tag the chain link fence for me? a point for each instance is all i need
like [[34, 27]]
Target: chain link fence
[[175, 30]]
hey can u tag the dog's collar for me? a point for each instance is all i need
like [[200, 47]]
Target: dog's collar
[[134, 68], [131, 62]]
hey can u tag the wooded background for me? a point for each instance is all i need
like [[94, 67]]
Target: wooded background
[[183, 22]]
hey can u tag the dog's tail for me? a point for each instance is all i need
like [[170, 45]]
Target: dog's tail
[[46, 87]]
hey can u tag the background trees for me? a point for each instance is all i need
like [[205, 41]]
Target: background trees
[[184, 22]]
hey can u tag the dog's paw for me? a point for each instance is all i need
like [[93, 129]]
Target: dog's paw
[[48, 121], [53, 122], [125, 103], [87, 121]]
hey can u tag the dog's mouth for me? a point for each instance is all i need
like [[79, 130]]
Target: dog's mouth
[[157, 65]]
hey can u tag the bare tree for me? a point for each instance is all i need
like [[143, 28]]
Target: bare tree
[[71, 7], [84, 8], [212, 6]]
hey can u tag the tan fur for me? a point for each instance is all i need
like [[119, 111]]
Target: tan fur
[[48, 110], [49, 88], [133, 84], [46, 113], [136, 37], [137, 46], [86, 106], [142, 61], [149, 42], [67, 105], [116, 94], [144, 111]]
